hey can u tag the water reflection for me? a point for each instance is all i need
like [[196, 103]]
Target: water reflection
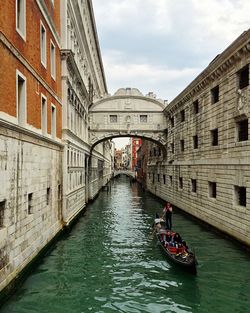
[[109, 263]]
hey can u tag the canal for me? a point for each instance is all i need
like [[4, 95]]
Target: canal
[[109, 263]]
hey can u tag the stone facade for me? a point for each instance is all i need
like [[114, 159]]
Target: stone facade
[[50, 73], [206, 171], [30, 132]]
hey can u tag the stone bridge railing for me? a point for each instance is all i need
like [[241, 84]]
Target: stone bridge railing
[[124, 172]]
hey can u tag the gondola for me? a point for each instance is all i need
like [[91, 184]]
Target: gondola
[[180, 255]]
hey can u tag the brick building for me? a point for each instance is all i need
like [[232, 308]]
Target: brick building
[[30, 131]]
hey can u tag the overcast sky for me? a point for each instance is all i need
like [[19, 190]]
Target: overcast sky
[[162, 45]]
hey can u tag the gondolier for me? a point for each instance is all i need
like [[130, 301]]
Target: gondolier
[[167, 213]]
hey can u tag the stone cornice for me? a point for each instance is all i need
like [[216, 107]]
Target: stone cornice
[[26, 132], [97, 43], [216, 69]]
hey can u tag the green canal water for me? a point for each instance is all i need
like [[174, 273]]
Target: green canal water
[[109, 263]]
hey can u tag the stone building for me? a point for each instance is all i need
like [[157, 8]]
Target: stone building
[[83, 81], [50, 73], [30, 131], [206, 171]]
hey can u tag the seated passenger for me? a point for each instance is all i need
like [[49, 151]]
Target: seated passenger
[[177, 240]]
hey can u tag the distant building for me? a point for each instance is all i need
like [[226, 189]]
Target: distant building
[[135, 144]]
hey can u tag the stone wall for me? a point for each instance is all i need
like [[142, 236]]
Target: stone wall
[[207, 168], [30, 197]]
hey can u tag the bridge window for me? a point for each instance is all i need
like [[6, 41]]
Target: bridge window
[[243, 77], [240, 195], [212, 189], [196, 107], [242, 128], [113, 118], [143, 118], [215, 94]]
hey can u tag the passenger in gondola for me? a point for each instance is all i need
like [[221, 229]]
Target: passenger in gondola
[[167, 238], [177, 240]]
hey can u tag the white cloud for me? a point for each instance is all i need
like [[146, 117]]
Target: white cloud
[[144, 76], [161, 45]]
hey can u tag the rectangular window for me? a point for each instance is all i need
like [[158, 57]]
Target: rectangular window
[[48, 196], [243, 77], [180, 182], [196, 107], [158, 177], [44, 114], [214, 137], [172, 121], [164, 179], [59, 192], [172, 147], [195, 142], [53, 121], [53, 60], [113, 118], [182, 145], [30, 203], [182, 115], [212, 189], [143, 118], [21, 18], [2, 211], [43, 45], [215, 94], [242, 129], [193, 185], [171, 180], [153, 178], [240, 195], [21, 98]]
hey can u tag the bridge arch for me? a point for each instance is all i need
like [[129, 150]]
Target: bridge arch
[[128, 114]]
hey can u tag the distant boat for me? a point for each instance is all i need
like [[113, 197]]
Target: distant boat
[[178, 253]]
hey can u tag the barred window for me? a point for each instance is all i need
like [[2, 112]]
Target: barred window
[[193, 185], [212, 189], [180, 182], [214, 137], [195, 142], [182, 145], [113, 118], [242, 127], [215, 94], [143, 118], [196, 107], [240, 195], [182, 115], [2, 211], [243, 77]]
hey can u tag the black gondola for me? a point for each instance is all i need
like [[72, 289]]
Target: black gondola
[[178, 254]]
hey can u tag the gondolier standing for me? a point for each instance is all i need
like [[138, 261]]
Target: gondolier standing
[[167, 211]]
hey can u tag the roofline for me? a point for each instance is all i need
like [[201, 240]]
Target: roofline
[[92, 16]]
